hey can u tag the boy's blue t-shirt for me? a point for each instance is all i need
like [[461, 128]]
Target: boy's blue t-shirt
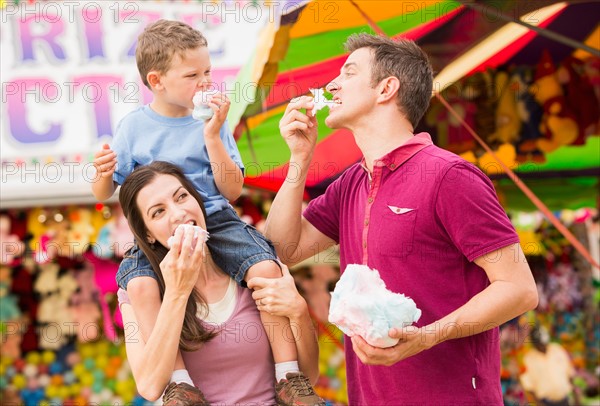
[[143, 136]]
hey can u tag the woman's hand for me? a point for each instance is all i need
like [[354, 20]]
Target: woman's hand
[[278, 296], [181, 265]]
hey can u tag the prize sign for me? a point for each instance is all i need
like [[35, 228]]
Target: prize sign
[[69, 75]]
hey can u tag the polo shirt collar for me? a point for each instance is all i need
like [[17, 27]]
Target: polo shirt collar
[[403, 153]]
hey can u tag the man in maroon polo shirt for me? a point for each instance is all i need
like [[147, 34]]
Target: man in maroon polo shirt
[[427, 220]]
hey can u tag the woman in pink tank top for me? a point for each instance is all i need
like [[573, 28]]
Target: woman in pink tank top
[[231, 361]]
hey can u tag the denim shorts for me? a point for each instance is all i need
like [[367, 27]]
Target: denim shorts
[[234, 246], [134, 264]]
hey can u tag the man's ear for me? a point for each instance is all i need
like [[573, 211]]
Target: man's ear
[[388, 89], [153, 78]]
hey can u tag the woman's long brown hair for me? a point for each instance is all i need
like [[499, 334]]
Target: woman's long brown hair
[[193, 334]]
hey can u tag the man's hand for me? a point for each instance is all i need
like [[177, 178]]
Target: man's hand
[[299, 130], [413, 340], [220, 104], [105, 162], [278, 296]]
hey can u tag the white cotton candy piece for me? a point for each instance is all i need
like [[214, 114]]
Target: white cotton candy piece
[[361, 305], [200, 234], [319, 100], [202, 110]]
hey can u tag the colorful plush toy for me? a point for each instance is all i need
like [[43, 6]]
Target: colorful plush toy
[[506, 153], [80, 231], [105, 283], [54, 241], [10, 244], [121, 236], [558, 124], [591, 67], [508, 124], [580, 96], [496, 123], [450, 133], [22, 288], [10, 317], [563, 287], [84, 305], [530, 113], [102, 247], [479, 90], [53, 312], [526, 225]]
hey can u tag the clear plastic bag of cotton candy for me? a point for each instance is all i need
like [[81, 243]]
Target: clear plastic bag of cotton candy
[[200, 234], [362, 305], [202, 110]]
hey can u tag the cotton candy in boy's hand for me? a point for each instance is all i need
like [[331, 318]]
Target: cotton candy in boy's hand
[[200, 234], [361, 305], [202, 110]]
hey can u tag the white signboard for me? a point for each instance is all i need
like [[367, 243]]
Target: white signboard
[[68, 76]]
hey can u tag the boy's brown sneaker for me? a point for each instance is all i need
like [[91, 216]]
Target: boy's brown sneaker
[[296, 390], [183, 394]]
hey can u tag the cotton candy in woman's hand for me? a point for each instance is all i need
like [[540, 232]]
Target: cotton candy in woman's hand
[[361, 305], [200, 235], [202, 110]]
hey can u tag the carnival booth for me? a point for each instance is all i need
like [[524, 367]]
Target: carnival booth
[[68, 76]]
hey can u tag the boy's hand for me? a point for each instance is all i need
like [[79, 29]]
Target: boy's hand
[[219, 103], [105, 162]]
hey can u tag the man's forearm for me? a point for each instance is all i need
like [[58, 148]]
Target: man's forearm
[[498, 303], [283, 223]]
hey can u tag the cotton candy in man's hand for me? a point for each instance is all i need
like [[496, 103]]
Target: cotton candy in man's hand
[[362, 305]]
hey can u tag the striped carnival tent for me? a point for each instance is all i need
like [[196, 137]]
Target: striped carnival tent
[[304, 49]]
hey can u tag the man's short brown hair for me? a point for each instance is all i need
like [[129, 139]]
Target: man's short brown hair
[[405, 60], [160, 41]]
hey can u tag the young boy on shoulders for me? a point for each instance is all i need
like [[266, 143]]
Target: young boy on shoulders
[[174, 63]]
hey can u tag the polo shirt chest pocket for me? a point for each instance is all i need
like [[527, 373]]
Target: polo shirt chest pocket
[[397, 231]]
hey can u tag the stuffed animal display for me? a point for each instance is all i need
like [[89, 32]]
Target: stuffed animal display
[[558, 125], [522, 113]]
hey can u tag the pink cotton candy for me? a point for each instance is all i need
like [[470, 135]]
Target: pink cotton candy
[[361, 305]]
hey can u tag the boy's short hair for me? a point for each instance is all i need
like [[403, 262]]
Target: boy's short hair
[[405, 60], [160, 41]]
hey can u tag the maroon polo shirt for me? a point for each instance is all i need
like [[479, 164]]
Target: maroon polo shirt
[[421, 218]]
